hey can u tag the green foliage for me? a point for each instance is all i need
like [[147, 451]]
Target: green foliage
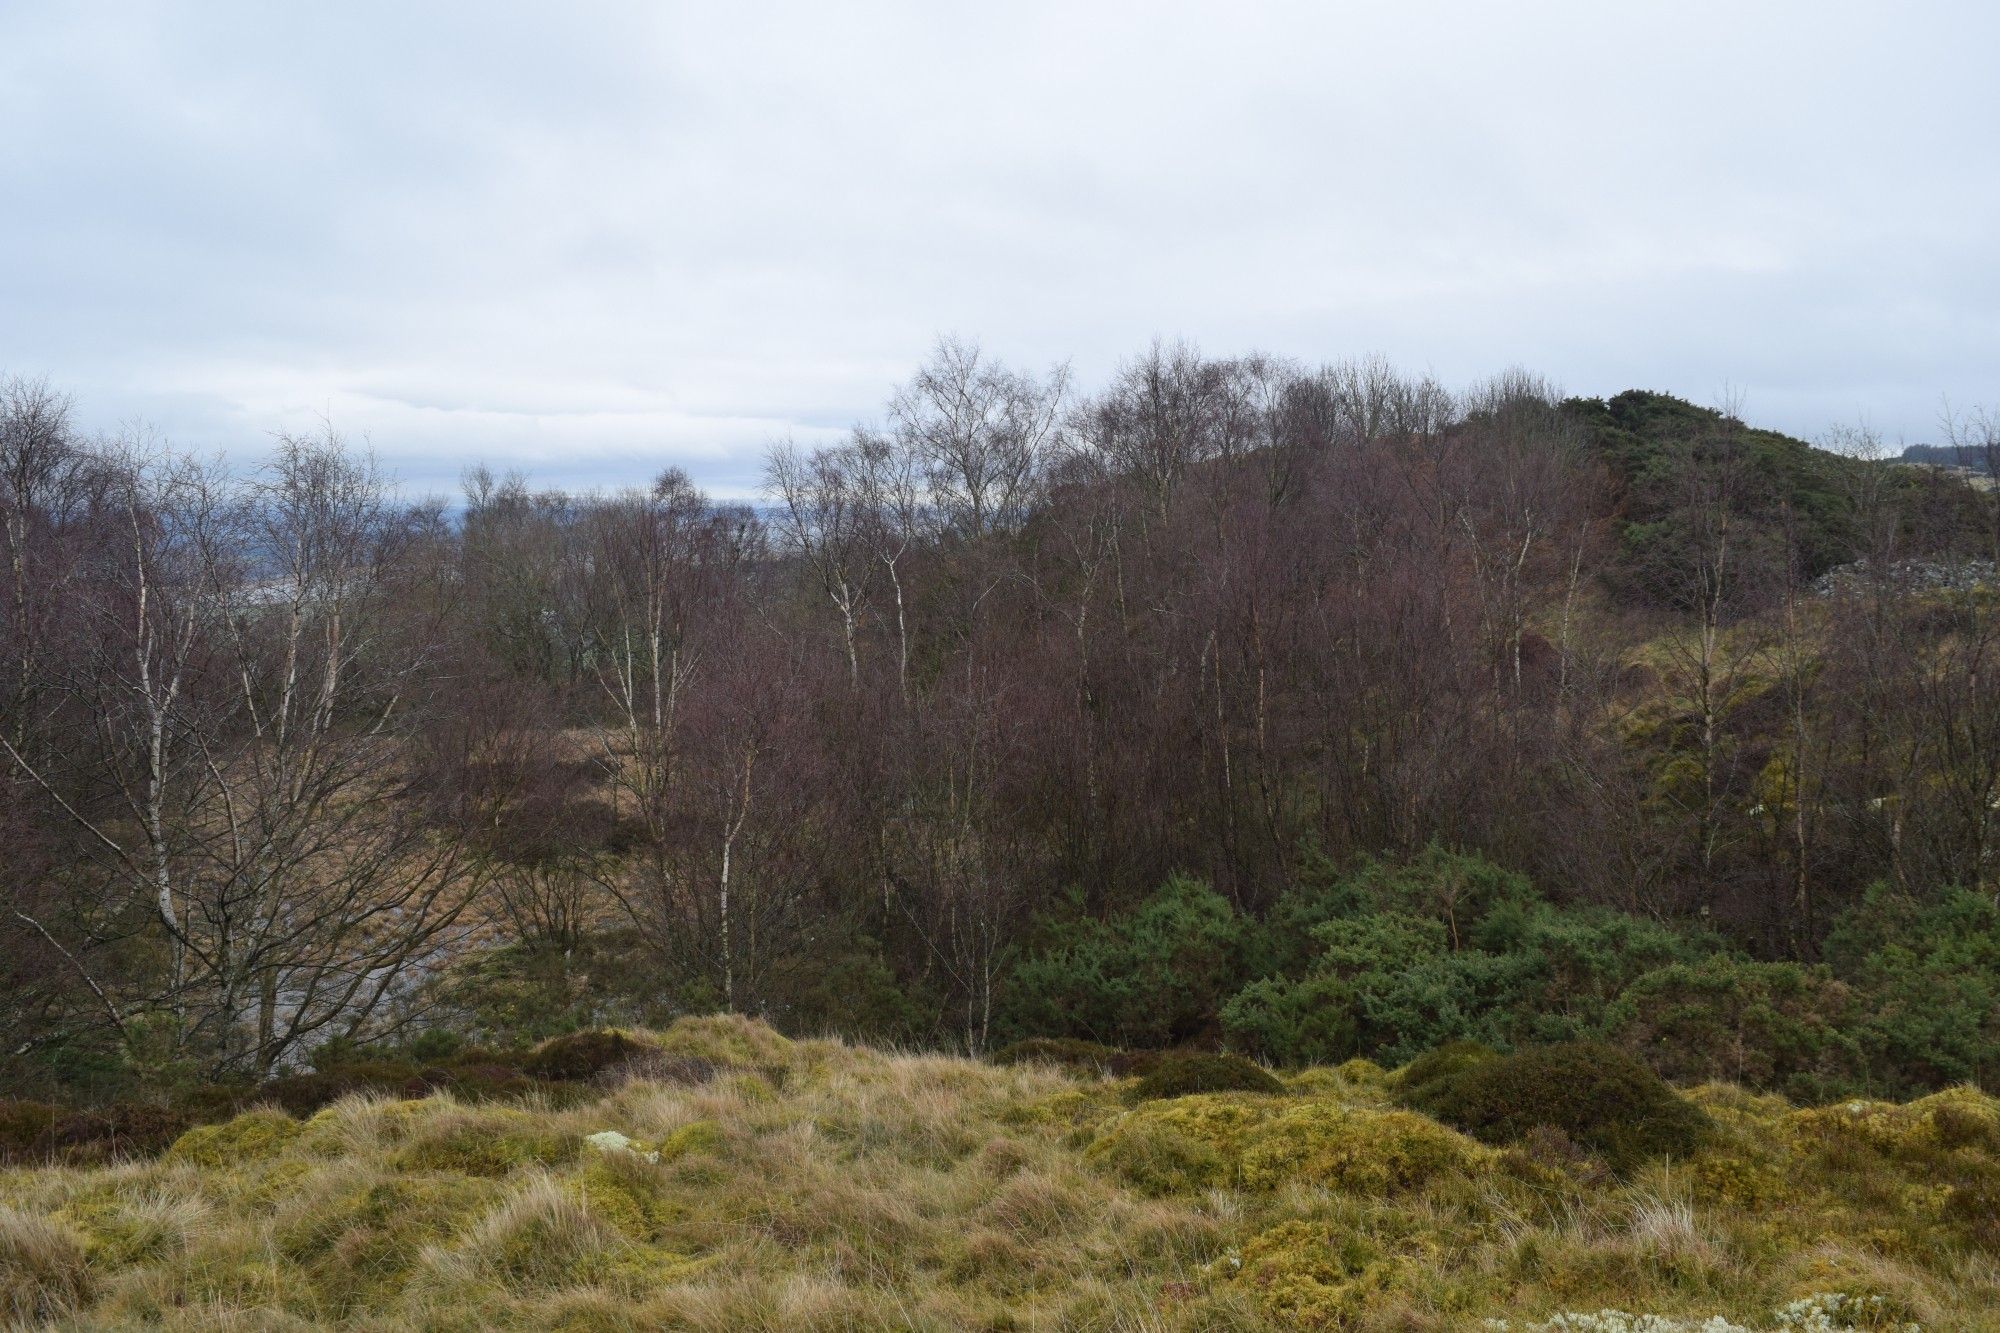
[[1421, 1082], [1455, 889], [1181, 1073], [1764, 1025], [1648, 439], [1445, 947], [1321, 890], [1928, 977], [1310, 1021], [1149, 977], [848, 986], [1601, 1097]]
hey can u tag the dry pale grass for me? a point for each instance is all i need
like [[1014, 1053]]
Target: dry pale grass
[[812, 1185]]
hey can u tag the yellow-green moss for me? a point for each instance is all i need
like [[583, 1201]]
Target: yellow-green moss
[[1180, 1145], [1357, 1150], [486, 1142], [693, 1137], [1944, 1123], [1363, 1073], [1315, 1083], [1158, 1159], [627, 1191], [1071, 1108], [253, 1136], [1308, 1275]]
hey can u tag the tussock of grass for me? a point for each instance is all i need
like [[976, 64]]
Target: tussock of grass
[[801, 1185]]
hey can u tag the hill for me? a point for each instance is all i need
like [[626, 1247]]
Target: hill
[[725, 1177]]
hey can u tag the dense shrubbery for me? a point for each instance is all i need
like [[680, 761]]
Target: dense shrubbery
[[1598, 1096], [1764, 1025], [1150, 977], [581, 1056], [1927, 974], [1404, 961], [1183, 1073]]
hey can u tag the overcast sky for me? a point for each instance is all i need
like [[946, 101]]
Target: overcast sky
[[595, 239]]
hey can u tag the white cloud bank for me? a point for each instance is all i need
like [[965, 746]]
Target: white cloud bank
[[596, 239]]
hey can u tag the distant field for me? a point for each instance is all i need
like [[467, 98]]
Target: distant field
[[732, 1179]]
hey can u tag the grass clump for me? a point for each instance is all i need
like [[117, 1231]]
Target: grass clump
[[1184, 1073], [542, 1237], [1063, 1052], [44, 1272], [730, 1041], [360, 1241], [1599, 1096]]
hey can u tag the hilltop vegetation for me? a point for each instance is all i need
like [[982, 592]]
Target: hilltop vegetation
[[718, 1176]]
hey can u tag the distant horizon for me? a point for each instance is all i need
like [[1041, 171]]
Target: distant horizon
[[741, 475]]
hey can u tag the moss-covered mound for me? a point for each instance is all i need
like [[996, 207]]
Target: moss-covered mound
[[1599, 1096], [1182, 1073]]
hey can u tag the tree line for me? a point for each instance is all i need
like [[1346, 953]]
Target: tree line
[[288, 760]]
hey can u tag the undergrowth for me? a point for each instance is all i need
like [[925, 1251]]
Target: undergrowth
[[814, 1185]]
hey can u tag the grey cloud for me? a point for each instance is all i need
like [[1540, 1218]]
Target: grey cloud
[[595, 240]]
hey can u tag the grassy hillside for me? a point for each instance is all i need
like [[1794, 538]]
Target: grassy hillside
[[728, 1178]]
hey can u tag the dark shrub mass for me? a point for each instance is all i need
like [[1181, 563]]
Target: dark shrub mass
[[582, 1057], [1421, 1081], [1181, 1073], [1602, 1098]]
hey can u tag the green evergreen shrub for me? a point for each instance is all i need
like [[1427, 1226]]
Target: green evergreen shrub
[[1310, 1021], [1927, 974], [1149, 977], [1423, 1080], [1181, 1073], [1603, 1098], [1728, 1020]]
